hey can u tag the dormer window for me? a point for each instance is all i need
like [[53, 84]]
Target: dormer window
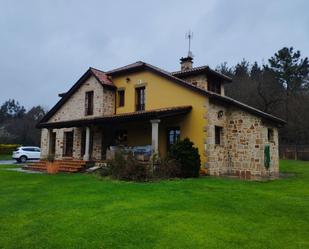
[[89, 103], [214, 86]]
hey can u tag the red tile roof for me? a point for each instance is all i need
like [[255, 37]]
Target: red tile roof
[[101, 77]]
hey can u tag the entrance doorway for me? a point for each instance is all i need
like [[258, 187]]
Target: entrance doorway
[[68, 144]]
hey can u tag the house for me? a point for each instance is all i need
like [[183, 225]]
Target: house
[[140, 104]]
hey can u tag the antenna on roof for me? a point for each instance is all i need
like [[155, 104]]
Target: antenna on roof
[[189, 36]]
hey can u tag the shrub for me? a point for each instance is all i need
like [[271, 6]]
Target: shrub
[[187, 156], [168, 168], [6, 149], [117, 164], [105, 170], [129, 168]]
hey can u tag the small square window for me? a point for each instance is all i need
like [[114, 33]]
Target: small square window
[[218, 135]]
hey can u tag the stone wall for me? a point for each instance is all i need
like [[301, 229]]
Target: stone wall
[[77, 140], [243, 139], [77, 143], [74, 108], [44, 143], [216, 155], [59, 142], [197, 80]]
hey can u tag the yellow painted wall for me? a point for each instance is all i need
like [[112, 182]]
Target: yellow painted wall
[[161, 93]]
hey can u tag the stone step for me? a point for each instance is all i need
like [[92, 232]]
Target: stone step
[[70, 166]]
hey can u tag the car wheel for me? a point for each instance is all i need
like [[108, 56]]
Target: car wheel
[[23, 159], [17, 160]]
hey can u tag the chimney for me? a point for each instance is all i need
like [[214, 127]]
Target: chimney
[[186, 63]]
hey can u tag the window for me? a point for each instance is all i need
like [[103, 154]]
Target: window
[[214, 86], [173, 136], [89, 103], [218, 135], [140, 98], [120, 98], [53, 143], [270, 135], [28, 149], [68, 144]]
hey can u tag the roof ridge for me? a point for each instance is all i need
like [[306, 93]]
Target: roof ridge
[[93, 68], [192, 69], [137, 63]]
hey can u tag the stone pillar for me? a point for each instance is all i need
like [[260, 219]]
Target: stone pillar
[[49, 138], [155, 135], [87, 144]]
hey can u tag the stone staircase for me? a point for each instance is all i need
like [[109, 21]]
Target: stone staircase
[[68, 166]]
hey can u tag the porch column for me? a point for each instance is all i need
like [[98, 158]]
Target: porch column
[[49, 139], [87, 144], [155, 135]]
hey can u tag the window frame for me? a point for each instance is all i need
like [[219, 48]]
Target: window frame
[[218, 135], [176, 137], [270, 135], [140, 98], [89, 103], [214, 86], [121, 97], [65, 144]]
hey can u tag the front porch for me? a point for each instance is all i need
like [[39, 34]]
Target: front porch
[[144, 133]]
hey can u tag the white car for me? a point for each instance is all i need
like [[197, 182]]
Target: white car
[[24, 153]]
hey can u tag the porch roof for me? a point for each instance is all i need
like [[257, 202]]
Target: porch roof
[[133, 116]]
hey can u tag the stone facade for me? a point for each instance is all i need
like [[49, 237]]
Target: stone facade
[[243, 140], [198, 80], [74, 108]]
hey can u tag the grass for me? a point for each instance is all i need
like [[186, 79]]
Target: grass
[[5, 157], [82, 211]]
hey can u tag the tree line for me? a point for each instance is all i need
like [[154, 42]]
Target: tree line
[[17, 126], [279, 87]]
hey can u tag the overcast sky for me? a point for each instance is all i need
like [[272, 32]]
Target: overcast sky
[[46, 46]]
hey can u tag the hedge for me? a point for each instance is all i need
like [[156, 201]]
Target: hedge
[[6, 149]]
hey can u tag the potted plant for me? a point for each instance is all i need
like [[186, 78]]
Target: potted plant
[[52, 165]]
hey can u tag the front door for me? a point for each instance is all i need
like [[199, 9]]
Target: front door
[[68, 144]]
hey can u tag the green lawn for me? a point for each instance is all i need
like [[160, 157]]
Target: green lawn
[[5, 157], [81, 211]]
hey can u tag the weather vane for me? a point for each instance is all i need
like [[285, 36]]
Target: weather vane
[[189, 36]]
